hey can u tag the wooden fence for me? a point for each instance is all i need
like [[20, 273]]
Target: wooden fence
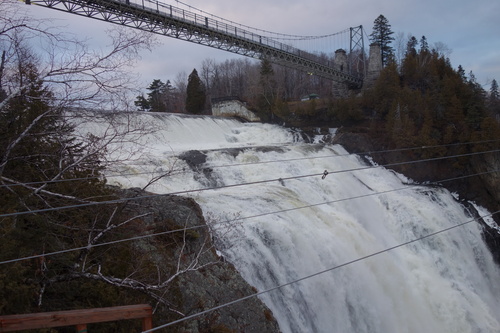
[[77, 318]]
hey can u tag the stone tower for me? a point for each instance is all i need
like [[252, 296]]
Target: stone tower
[[340, 63], [374, 66]]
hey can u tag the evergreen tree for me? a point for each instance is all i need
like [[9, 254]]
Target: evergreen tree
[[169, 97], [161, 97], [461, 73], [382, 35], [196, 95], [266, 98], [267, 81], [142, 103], [411, 47], [475, 103], [37, 147], [46, 165], [494, 100], [494, 95], [424, 46], [156, 96]]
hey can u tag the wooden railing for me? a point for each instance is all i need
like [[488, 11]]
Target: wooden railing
[[77, 318]]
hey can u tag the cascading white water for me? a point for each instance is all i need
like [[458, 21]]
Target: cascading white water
[[290, 228]]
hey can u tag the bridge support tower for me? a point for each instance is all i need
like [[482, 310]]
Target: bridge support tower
[[340, 89], [374, 66]]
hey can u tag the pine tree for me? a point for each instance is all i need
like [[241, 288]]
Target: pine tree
[[411, 47], [267, 90], [382, 35], [37, 147], [494, 95], [494, 100], [196, 95], [461, 73], [424, 45], [161, 98], [169, 97], [142, 103], [267, 81], [475, 103], [156, 96]]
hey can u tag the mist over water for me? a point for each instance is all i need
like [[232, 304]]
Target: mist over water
[[298, 224]]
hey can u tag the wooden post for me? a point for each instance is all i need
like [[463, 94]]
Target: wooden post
[[147, 323], [81, 328]]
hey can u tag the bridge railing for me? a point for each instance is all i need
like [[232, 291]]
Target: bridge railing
[[208, 22], [79, 318]]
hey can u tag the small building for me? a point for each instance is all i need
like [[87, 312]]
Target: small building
[[309, 97]]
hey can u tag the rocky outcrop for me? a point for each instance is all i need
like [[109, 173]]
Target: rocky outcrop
[[232, 107], [214, 283], [481, 189], [484, 165]]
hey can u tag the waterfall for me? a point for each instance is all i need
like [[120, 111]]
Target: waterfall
[[292, 221]]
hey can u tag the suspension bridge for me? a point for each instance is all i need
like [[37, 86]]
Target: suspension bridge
[[213, 31]]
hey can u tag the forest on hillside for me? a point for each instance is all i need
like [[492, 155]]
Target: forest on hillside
[[419, 99], [419, 96]]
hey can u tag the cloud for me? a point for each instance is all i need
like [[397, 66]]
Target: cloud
[[470, 29]]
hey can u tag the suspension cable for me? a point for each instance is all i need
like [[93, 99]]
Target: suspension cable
[[274, 34]]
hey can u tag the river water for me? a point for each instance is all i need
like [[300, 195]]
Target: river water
[[290, 221]]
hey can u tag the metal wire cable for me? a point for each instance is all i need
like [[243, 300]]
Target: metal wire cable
[[181, 171], [307, 277], [274, 34], [409, 186], [323, 174]]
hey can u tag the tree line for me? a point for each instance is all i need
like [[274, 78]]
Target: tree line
[[422, 99], [248, 79], [272, 91]]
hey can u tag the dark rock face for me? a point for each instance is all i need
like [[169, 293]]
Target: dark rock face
[[215, 283], [194, 158], [484, 189]]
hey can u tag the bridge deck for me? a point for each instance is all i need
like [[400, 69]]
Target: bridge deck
[[168, 20]]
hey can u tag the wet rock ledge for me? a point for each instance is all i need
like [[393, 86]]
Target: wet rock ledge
[[216, 283]]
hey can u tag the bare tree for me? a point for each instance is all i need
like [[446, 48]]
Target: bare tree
[[442, 49], [49, 160], [180, 84], [72, 76], [207, 72], [400, 43]]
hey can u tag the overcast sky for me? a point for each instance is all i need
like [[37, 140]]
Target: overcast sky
[[471, 29]]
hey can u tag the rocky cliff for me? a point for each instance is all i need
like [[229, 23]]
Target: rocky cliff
[[483, 188], [211, 283]]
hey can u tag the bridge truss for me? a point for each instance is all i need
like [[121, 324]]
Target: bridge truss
[[168, 20]]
